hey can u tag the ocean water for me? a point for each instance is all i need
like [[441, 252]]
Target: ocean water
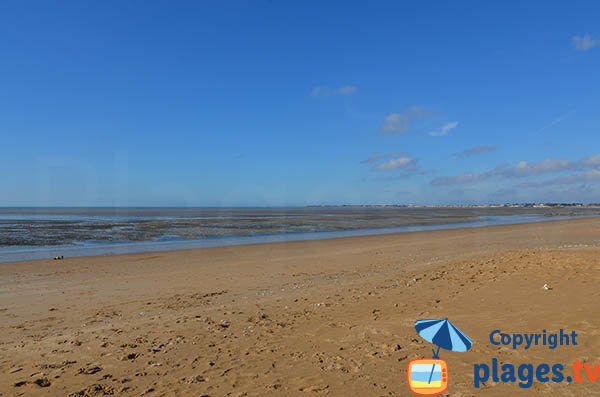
[[37, 233]]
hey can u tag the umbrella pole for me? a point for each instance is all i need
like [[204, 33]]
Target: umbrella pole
[[435, 355]]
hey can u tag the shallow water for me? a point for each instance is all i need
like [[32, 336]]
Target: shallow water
[[37, 233]]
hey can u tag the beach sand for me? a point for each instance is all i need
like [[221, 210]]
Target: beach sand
[[330, 317]]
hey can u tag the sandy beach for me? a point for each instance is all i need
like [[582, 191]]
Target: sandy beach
[[330, 317]]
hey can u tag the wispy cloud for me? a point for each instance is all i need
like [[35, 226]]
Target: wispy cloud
[[399, 123], [445, 129], [588, 176], [459, 179], [425, 120], [384, 165], [318, 92], [521, 169], [591, 161], [584, 43], [396, 163], [524, 168], [375, 157], [395, 123], [346, 90], [404, 173], [557, 120], [475, 151]]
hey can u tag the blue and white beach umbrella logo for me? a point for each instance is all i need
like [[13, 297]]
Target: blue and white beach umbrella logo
[[443, 334], [430, 376]]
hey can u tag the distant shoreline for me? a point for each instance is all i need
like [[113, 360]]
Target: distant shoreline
[[491, 205]]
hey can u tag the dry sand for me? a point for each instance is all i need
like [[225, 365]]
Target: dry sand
[[328, 317]]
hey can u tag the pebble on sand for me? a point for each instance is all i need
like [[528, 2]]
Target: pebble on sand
[[225, 323], [42, 382]]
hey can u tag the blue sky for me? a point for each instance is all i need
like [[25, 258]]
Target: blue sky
[[293, 103]]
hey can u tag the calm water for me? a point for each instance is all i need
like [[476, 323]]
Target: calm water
[[36, 233]]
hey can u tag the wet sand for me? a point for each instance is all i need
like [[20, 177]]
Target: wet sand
[[25, 228], [328, 317]]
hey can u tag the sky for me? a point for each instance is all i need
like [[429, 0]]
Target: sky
[[279, 103]]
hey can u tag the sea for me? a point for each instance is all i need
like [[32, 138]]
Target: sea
[[40, 233]]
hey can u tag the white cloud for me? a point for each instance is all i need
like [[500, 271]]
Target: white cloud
[[395, 122], [399, 123], [395, 163], [318, 92], [521, 169], [581, 177], [584, 43], [524, 168], [445, 129], [591, 161]]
